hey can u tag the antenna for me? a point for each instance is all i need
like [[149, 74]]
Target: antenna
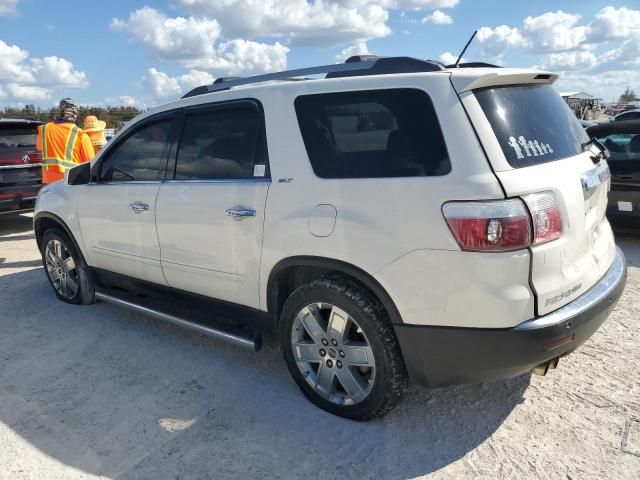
[[455, 65]]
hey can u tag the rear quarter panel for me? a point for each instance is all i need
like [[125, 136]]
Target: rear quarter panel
[[379, 221]]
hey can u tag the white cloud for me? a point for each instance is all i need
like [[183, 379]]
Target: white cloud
[[563, 61], [12, 64], [438, 18], [614, 23], [449, 58], [359, 48], [8, 6], [2, 94], [554, 31], [244, 57], [28, 92], [58, 71], [34, 79], [319, 22], [128, 101], [307, 22], [162, 85], [600, 54], [191, 42], [494, 41], [180, 38]]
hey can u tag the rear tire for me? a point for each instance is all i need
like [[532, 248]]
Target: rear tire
[[66, 269], [341, 349]]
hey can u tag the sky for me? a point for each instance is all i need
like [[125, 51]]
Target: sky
[[145, 53]]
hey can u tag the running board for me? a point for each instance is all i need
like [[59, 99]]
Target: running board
[[236, 336]]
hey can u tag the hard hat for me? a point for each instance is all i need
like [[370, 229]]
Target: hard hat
[[92, 124]]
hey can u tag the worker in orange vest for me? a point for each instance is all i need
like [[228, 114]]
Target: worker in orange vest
[[63, 144]]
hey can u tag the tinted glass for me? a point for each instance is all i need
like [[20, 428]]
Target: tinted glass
[[17, 136], [628, 116], [220, 144], [622, 146], [372, 134], [532, 123], [138, 157]]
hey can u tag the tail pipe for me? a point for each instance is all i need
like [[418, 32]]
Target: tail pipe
[[545, 367]]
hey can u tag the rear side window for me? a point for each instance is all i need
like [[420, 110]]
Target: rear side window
[[372, 134], [139, 157], [532, 124], [221, 144], [12, 136]]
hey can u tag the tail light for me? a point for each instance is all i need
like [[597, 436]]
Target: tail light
[[545, 216], [492, 226]]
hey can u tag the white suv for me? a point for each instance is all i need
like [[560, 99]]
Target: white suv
[[395, 221]]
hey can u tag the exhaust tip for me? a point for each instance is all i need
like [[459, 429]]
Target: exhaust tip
[[542, 369]]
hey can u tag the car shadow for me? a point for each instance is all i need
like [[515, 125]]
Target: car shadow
[[12, 223], [629, 242], [112, 393]]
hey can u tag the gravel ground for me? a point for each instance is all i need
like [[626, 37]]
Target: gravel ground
[[88, 392]]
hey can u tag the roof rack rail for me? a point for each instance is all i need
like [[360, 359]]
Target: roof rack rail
[[224, 79], [354, 66], [473, 65]]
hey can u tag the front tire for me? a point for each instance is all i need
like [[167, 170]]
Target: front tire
[[341, 350], [66, 269]]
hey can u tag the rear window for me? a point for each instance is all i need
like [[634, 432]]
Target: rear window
[[372, 134], [532, 124], [12, 136]]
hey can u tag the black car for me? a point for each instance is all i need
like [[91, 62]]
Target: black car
[[20, 164], [622, 139]]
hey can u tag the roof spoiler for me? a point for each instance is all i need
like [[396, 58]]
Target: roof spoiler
[[465, 83]]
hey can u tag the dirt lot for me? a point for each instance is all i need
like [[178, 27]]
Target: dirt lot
[[96, 391]]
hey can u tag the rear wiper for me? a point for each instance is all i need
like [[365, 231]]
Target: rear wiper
[[597, 150]]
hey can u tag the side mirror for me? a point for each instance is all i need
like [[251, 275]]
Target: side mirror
[[80, 175]]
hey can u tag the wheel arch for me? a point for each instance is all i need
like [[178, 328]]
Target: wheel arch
[[282, 282], [44, 221]]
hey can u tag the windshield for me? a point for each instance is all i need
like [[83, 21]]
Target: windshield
[[532, 124], [18, 136]]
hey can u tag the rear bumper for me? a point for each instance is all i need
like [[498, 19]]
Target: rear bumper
[[438, 356]]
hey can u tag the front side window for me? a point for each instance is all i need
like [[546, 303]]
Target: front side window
[[221, 144], [621, 146], [372, 134], [139, 157], [532, 124]]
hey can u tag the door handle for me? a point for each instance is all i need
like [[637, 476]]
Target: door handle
[[238, 213], [139, 207]]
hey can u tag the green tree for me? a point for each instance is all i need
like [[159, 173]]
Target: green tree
[[628, 96], [115, 116]]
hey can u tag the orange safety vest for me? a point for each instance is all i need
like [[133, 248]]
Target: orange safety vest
[[63, 145]]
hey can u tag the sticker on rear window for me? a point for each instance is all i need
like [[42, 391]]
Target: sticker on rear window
[[531, 148]]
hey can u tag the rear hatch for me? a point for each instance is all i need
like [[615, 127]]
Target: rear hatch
[[535, 144], [20, 162]]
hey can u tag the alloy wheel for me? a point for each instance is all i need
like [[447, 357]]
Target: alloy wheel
[[61, 269], [333, 354]]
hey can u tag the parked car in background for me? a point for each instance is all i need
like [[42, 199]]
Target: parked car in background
[[587, 123], [622, 139], [632, 114], [20, 164]]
